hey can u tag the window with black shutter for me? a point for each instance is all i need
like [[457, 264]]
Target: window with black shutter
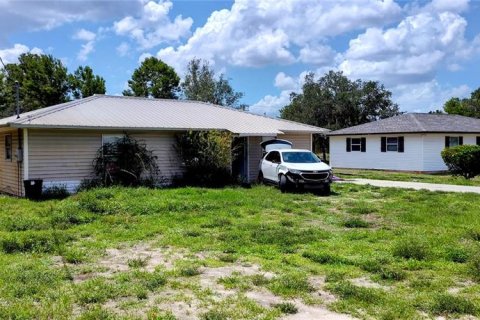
[[478, 141], [453, 141], [383, 145], [349, 144], [363, 145], [401, 144]]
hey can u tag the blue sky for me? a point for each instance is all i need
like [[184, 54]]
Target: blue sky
[[423, 51]]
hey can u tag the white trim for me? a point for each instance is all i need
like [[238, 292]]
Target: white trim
[[25, 154], [311, 141]]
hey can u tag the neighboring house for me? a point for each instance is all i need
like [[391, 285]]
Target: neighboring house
[[58, 143], [408, 142]]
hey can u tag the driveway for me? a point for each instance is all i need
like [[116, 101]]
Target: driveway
[[413, 185]]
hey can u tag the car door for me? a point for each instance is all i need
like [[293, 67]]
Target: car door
[[270, 164]]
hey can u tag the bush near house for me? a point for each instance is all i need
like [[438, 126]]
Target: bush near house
[[207, 157], [125, 162], [463, 160]]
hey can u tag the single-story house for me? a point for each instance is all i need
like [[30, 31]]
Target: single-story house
[[58, 144], [408, 142]]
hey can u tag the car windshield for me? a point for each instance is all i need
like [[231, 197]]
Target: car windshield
[[300, 157]]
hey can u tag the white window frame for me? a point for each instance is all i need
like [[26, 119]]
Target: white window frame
[[359, 144], [392, 144]]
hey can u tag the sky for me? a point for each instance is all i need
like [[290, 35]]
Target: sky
[[424, 52]]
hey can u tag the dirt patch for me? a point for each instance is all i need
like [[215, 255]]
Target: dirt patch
[[367, 283], [460, 286]]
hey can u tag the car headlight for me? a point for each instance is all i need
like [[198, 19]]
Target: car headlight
[[294, 171]]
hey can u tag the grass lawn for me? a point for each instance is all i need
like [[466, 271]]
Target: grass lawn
[[240, 254], [444, 178]]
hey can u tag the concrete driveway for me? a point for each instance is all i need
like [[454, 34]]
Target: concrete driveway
[[413, 185]]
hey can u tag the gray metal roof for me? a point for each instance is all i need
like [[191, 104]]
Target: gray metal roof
[[415, 122], [132, 113]]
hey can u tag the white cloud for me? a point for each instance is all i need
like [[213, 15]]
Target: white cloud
[[84, 35], [10, 55], [48, 14], [257, 33], [270, 104], [427, 96], [413, 51], [86, 49], [89, 46], [123, 49], [154, 25]]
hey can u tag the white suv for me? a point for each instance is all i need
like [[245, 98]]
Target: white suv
[[289, 168]]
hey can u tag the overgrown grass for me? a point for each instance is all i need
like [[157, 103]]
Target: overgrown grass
[[443, 178], [416, 246]]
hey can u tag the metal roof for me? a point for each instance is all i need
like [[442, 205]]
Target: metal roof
[[415, 123], [133, 113]]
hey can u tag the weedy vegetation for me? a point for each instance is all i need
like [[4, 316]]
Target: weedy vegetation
[[383, 253]]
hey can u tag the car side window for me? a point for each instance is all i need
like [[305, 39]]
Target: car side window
[[273, 156]]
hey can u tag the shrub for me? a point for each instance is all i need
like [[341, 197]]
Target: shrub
[[126, 162], [411, 249], [463, 160], [207, 156], [287, 307], [55, 192], [447, 303]]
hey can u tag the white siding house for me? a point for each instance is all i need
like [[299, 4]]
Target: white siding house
[[409, 142]]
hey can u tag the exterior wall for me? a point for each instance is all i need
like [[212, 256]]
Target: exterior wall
[[409, 160], [255, 153], [434, 143], [65, 157], [11, 172], [300, 141]]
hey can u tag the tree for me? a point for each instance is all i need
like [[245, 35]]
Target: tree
[[83, 83], [334, 102], [153, 79], [201, 84], [469, 107], [43, 82]]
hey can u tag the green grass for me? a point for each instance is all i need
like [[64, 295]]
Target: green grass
[[419, 247], [443, 178]]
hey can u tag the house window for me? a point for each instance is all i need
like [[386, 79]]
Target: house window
[[392, 144], [453, 141], [111, 138], [478, 141], [356, 144], [8, 147]]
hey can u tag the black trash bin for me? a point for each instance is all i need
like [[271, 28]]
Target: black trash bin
[[33, 189]]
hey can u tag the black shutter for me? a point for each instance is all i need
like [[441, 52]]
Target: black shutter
[[447, 141], [349, 144], [384, 144], [401, 144], [460, 141], [363, 146], [478, 141]]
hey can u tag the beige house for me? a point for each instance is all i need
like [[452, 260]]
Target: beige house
[[58, 144]]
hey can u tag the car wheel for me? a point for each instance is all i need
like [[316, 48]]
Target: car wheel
[[283, 183], [260, 179]]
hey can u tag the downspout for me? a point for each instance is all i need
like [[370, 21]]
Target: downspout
[[25, 154]]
